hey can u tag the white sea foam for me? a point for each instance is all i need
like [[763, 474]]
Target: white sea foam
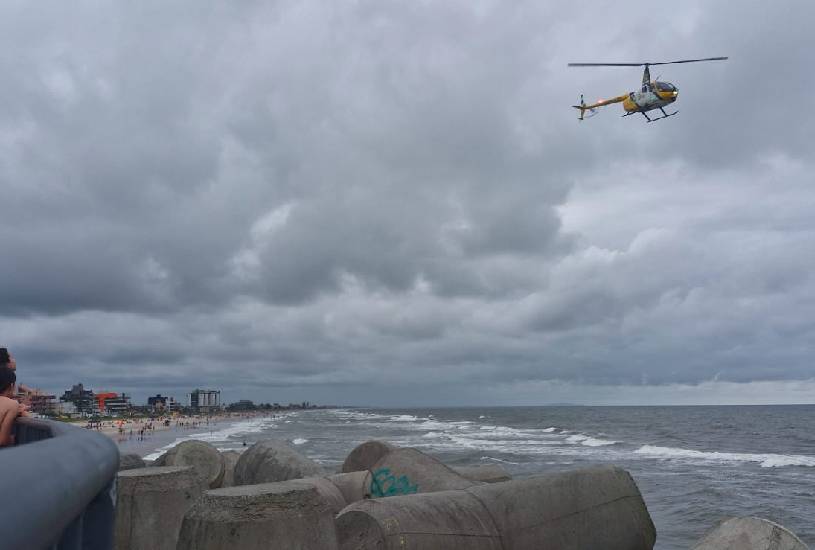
[[503, 430], [458, 441], [587, 441], [403, 418], [436, 425], [359, 415], [465, 434], [299, 441], [766, 460], [254, 425]]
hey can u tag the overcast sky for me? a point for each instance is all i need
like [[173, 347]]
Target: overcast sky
[[392, 203]]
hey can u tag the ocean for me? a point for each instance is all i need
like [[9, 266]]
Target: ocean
[[693, 465]]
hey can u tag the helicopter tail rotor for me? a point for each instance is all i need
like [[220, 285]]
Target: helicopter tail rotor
[[583, 108]]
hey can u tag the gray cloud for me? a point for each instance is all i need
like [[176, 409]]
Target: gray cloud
[[282, 199]]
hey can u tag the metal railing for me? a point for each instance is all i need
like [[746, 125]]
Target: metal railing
[[59, 488]]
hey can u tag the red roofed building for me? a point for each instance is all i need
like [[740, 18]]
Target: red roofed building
[[112, 402]]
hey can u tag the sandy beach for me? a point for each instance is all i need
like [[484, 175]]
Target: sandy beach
[[143, 436]]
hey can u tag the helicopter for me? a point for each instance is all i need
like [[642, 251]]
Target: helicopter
[[652, 95]]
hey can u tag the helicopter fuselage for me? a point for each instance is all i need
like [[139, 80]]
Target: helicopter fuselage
[[659, 95]]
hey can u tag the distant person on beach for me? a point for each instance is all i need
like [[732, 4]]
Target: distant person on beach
[[9, 408]]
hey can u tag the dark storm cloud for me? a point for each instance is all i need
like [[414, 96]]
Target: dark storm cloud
[[395, 199]]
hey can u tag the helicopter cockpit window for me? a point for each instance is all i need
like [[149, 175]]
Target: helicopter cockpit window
[[665, 87]]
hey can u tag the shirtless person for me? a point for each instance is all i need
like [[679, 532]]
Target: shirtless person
[[9, 408]]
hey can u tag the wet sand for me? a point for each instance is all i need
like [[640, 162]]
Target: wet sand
[[156, 435]]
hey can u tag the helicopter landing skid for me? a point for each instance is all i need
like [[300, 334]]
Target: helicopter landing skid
[[664, 115], [649, 119]]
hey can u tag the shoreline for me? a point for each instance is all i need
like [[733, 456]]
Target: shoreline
[[146, 436]]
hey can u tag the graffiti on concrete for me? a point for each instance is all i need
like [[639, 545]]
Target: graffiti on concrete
[[386, 484]]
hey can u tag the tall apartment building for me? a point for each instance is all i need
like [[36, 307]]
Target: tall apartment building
[[205, 400]]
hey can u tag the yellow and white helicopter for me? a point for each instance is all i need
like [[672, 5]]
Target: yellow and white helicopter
[[652, 95]]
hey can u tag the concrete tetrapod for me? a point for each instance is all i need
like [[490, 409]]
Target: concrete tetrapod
[[354, 486], [448, 520], [487, 473], [590, 508], [749, 534], [405, 470], [150, 506], [205, 460], [230, 461], [365, 455], [273, 460], [131, 461], [374, 455], [288, 515], [599, 507], [329, 492]]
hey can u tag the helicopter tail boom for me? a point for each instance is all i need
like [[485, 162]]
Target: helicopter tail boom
[[599, 103]]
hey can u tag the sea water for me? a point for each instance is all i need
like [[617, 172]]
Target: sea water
[[693, 465]]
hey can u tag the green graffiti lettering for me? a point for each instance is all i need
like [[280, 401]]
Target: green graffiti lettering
[[386, 484]]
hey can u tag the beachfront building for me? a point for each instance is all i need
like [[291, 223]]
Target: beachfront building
[[39, 402], [112, 403], [84, 400], [117, 405], [173, 405], [42, 403], [102, 398], [242, 405], [205, 401], [65, 408], [158, 403]]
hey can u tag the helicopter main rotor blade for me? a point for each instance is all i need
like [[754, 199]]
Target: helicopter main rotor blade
[[607, 64], [690, 60], [645, 64]]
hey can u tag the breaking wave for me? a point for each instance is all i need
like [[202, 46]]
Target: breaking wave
[[254, 425], [766, 460], [588, 441], [435, 434]]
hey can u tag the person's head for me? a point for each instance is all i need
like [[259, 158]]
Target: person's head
[[8, 379], [7, 360]]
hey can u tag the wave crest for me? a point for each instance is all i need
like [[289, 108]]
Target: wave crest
[[766, 460]]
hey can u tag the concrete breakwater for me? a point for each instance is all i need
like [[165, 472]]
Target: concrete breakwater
[[387, 497]]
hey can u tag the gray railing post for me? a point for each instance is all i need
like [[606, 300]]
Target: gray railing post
[[97, 529], [63, 479], [71, 538]]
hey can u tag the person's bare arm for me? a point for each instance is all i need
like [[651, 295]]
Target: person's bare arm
[[9, 409]]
